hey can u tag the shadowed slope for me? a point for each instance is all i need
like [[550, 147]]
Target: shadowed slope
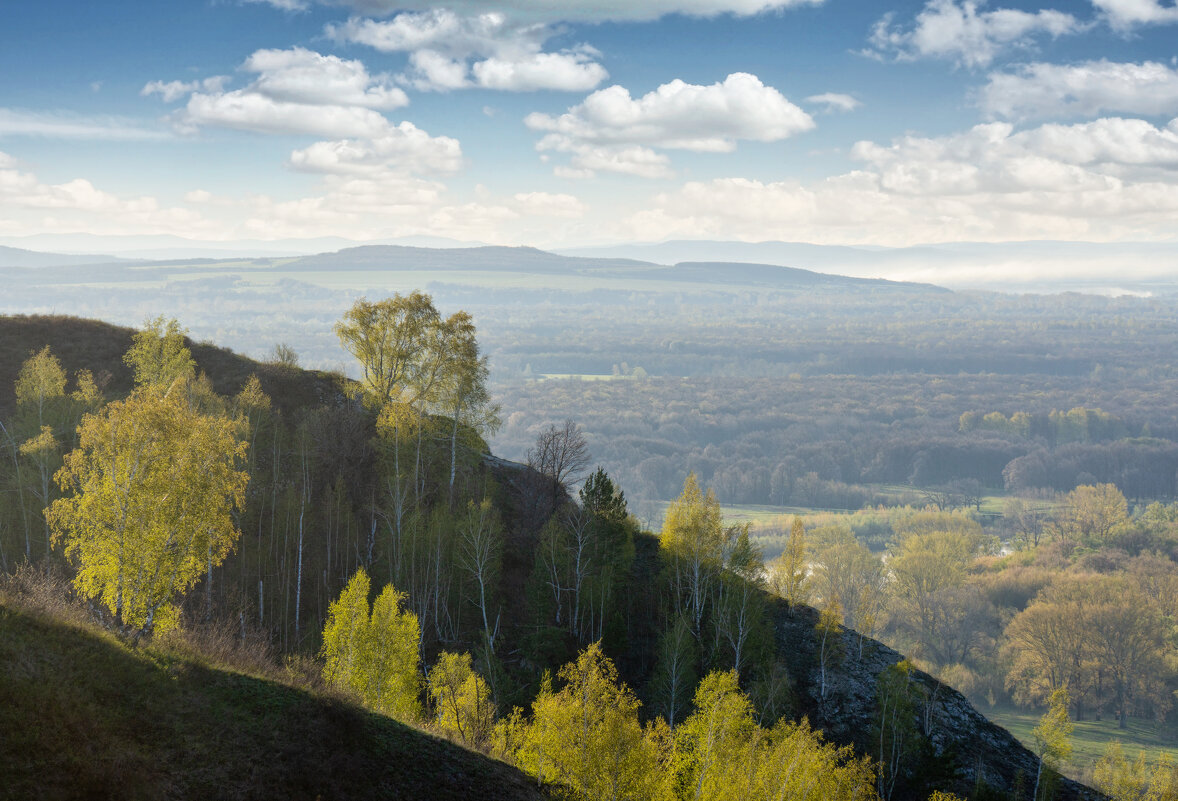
[[81, 716]]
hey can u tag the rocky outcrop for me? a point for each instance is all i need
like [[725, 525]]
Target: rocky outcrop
[[967, 750]]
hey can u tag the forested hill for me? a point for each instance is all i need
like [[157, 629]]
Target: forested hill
[[18, 257], [488, 572], [93, 345]]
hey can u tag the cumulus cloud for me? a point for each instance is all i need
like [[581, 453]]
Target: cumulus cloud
[[1126, 14], [80, 201], [304, 76], [960, 30], [295, 91], [301, 92], [1107, 179], [248, 111], [1081, 90], [64, 125], [402, 148], [832, 102], [450, 51], [587, 160], [612, 128], [562, 10]]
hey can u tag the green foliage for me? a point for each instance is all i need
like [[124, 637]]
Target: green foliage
[[158, 356], [373, 652], [895, 734], [1053, 743], [398, 342], [602, 499], [788, 573], [41, 384]]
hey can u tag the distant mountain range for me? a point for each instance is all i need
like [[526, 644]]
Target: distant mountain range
[[1033, 266], [18, 257], [1039, 266], [175, 247], [540, 262]]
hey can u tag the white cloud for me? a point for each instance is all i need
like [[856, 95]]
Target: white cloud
[[450, 51], [1081, 90], [1125, 14], [248, 111], [304, 76], [78, 204], [832, 102], [404, 148], [171, 91], [65, 125], [569, 71], [612, 131], [198, 196], [285, 5], [961, 31], [1108, 179], [562, 10], [587, 160], [295, 91]]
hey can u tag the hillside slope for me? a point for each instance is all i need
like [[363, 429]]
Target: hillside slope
[[82, 716], [98, 346]]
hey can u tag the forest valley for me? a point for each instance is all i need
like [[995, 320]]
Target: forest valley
[[362, 530]]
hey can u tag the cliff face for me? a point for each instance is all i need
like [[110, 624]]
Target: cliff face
[[962, 750]]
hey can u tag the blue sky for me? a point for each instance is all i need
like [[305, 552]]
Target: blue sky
[[562, 124]]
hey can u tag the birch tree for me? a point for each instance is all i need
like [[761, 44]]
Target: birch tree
[[372, 651], [149, 497], [693, 539]]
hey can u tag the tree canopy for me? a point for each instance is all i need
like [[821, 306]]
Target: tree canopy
[[150, 492]]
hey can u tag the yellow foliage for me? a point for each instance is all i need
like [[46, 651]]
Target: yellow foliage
[[588, 738], [374, 653], [151, 489], [723, 755], [461, 699]]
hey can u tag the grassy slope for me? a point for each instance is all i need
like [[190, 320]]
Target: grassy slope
[[82, 716], [1090, 738]]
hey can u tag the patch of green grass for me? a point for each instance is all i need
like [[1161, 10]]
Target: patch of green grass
[[1091, 737]]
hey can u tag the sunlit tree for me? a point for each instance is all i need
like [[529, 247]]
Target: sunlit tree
[[149, 499]]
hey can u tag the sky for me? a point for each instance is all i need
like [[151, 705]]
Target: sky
[[560, 124]]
